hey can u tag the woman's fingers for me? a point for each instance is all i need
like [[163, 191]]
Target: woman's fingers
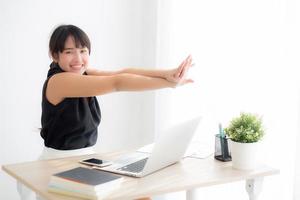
[[186, 67], [182, 66], [184, 81], [180, 72], [189, 81]]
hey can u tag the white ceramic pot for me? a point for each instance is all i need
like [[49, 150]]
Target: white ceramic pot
[[245, 156]]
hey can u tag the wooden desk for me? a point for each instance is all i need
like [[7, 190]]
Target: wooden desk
[[189, 174]]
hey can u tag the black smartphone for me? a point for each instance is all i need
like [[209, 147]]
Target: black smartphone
[[96, 162]]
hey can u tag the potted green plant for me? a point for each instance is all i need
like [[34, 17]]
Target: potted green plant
[[245, 133]]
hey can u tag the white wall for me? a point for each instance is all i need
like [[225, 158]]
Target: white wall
[[122, 33], [246, 55]]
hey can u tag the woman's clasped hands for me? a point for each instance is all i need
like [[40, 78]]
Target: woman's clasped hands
[[178, 75]]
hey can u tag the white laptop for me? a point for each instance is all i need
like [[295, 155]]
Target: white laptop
[[168, 150]]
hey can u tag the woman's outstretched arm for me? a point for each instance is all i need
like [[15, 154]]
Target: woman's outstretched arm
[[172, 75], [67, 84]]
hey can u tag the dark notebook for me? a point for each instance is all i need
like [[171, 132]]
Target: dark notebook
[[88, 176]]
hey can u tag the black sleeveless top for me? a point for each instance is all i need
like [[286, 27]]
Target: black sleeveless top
[[71, 124]]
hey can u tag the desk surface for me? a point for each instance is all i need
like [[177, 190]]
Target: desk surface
[[188, 174]]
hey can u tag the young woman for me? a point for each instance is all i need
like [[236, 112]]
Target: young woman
[[70, 110]]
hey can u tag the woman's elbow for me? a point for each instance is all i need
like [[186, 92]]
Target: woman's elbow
[[118, 82]]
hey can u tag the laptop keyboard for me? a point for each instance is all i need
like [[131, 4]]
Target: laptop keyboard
[[135, 167]]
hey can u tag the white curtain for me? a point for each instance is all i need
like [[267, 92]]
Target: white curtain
[[297, 171], [246, 59]]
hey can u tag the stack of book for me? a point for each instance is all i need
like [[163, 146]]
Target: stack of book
[[84, 182]]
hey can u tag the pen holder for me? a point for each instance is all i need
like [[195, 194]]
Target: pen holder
[[222, 152]]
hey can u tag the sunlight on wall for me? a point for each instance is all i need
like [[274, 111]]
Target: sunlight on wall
[[241, 51]]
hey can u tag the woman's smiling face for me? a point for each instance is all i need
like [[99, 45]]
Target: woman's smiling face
[[73, 59]]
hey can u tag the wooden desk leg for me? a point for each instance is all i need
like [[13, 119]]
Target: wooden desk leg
[[254, 187], [191, 194]]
